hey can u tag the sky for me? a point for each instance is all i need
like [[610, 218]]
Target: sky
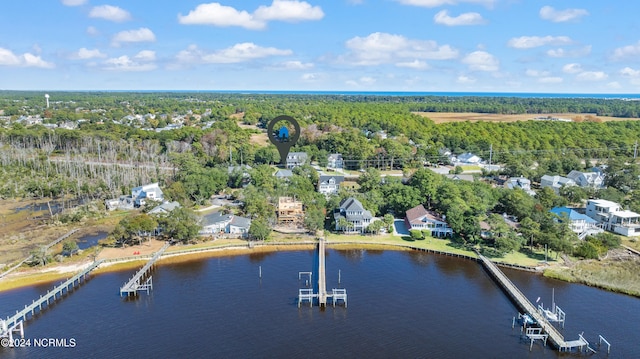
[[588, 46]]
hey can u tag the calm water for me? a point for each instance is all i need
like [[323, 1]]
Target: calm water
[[91, 240], [401, 305]]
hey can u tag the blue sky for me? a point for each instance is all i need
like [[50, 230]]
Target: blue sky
[[589, 46]]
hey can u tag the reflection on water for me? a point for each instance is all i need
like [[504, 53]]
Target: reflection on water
[[401, 305]]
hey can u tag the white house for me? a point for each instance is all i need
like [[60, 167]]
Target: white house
[[335, 161], [469, 158], [520, 182], [579, 223], [611, 217], [587, 179], [295, 159], [329, 185], [218, 223], [352, 210], [150, 191], [556, 182], [419, 218]]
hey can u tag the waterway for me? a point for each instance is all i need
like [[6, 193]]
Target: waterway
[[400, 305]]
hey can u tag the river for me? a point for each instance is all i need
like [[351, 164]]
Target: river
[[400, 305]]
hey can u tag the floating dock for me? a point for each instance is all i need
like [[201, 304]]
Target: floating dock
[[14, 324], [135, 283], [546, 329]]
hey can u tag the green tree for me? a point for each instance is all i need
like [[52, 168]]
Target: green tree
[[181, 224], [416, 234], [69, 246], [314, 218], [259, 230]]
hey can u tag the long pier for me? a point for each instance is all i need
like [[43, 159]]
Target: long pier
[[516, 295], [14, 323], [307, 294], [322, 277], [134, 284]]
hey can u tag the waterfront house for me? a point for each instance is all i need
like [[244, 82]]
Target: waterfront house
[[611, 217], [229, 224], [295, 159], [329, 185], [420, 218], [147, 192], [579, 223], [354, 213], [290, 212], [556, 182]]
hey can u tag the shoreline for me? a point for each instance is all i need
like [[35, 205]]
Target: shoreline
[[187, 253]]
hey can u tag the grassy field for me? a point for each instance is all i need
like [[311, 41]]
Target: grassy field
[[619, 275]]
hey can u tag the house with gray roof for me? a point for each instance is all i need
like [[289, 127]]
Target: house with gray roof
[[420, 218], [587, 179], [219, 223], [295, 159], [335, 160], [353, 212], [164, 208], [283, 174], [556, 182], [520, 182], [329, 185]]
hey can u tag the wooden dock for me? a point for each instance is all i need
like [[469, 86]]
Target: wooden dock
[[14, 323], [322, 278], [307, 294], [135, 283], [516, 295]]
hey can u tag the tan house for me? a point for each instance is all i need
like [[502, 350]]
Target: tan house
[[289, 211]]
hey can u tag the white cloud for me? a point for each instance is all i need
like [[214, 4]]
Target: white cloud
[[628, 71], [528, 42], [220, 15], [550, 80], [551, 14], [380, 48], [626, 52], [142, 34], [310, 77], [560, 52], [468, 18], [536, 73], [464, 79], [124, 63], [295, 65], [481, 61], [74, 2], [592, 76], [85, 54], [216, 14], [572, 68], [362, 81], [415, 64], [92, 31], [109, 12], [8, 58], [145, 55], [436, 3], [289, 10], [237, 53], [615, 85]]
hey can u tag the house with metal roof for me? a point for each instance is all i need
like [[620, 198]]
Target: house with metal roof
[[220, 223], [579, 223]]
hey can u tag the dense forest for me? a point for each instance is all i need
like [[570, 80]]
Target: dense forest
[[120, 140]]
